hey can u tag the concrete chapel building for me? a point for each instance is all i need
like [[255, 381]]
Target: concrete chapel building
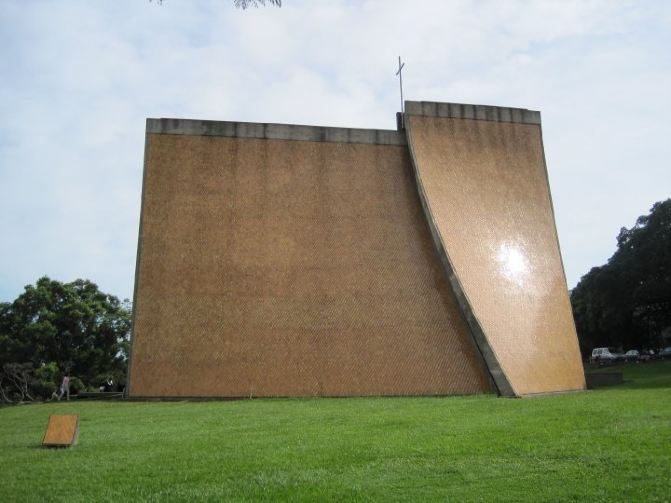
[[287, 260]]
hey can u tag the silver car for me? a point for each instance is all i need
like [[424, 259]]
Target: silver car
[[604, 355]]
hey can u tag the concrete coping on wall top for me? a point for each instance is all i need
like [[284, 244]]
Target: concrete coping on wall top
[[275, 131], [476, 112]]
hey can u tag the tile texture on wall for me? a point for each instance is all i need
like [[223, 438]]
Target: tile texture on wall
[[291, 268], [485, 186]]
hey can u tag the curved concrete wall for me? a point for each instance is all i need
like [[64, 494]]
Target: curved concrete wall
[[286, 260], [483, 184]]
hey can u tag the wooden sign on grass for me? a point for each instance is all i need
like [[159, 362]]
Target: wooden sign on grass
[[62, 431]]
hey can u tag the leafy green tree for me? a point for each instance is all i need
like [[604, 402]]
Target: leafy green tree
[[627, 302], [72, 327]]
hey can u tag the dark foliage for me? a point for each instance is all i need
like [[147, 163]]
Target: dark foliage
[[53, 328], [626, 303]]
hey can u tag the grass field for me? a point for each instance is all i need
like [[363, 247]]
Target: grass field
[[608, 444]]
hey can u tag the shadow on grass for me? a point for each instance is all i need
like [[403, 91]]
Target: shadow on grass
[[648, 375]]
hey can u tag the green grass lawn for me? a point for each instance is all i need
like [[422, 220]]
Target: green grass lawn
[[608, 444]]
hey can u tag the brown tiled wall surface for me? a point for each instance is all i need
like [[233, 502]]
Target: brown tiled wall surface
[[486, 188], [291, 268]]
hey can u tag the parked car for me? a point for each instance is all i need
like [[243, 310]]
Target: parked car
[[605, 355], [665, 353], [632, 356], [647, 355]]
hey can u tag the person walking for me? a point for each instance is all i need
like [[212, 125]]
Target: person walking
[[65, 387]]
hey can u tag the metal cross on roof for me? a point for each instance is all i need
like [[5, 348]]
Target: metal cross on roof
[[400, 79]]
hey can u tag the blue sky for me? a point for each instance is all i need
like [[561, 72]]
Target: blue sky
[[80, 77]]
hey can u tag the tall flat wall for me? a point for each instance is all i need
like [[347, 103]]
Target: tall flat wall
[[482, 179], [290, 261]]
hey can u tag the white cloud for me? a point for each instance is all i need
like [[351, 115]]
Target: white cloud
[[79, 78]]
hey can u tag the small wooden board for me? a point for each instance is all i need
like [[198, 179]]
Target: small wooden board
[[62, 431]]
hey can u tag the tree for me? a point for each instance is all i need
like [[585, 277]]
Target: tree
[[56, 327], [243, 4], [627, 302]]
